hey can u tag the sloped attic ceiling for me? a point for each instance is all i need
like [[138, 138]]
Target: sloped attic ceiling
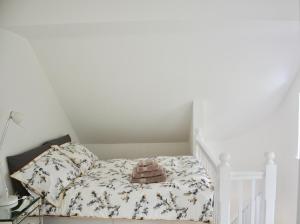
[[129, 74]]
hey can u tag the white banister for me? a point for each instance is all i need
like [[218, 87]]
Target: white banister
[[241, 201], [204, 155], [247, 175], [223, 193], [260, 209], [200, 141], [270, 187], [247, 212], [253, 195], [257, 209]]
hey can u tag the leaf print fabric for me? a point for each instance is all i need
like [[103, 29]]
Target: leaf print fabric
[[48, 175], [106, 192], [79, 154]]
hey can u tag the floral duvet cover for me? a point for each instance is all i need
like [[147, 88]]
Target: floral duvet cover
[[106, 192]]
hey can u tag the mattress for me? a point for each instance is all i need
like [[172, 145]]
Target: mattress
[[106, 192]]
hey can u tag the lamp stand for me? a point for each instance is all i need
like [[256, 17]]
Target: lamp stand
[[5, 198]]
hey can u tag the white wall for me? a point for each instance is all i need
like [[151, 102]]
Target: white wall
[[24, 87], [278, 133], [35, 12], [128, 70], [135, 81], [139, 150]]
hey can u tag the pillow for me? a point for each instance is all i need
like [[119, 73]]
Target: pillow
[[58, 141], [16, 162], [48, 175], [79, 154]]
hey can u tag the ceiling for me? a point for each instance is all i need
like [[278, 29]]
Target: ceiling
[[128, 71]]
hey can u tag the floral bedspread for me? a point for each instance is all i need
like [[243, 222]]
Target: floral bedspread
[[106, 192]]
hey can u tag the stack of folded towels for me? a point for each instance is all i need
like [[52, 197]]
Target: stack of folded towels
[[148, 171]]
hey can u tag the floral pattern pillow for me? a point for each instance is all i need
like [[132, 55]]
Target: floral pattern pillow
[[79, 154], [48, 175]]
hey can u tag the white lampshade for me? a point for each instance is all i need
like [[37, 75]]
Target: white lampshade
[[16, 117]]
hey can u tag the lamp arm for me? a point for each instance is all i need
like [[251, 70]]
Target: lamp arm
[[5, 130], [5, 189]]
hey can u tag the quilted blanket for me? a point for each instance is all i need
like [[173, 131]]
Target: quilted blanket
[[106, 192]]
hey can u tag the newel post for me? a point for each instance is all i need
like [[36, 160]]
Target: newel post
[[270, 187], [223, 190]]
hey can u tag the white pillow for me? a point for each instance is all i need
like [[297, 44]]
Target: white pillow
[[79, 154], [48, 175]]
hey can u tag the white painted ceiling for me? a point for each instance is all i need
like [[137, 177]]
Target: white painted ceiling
[[127, 71]]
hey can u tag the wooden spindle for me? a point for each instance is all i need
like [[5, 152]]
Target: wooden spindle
[[258, 209], [253, 195], [270, 187], [241, 202], [223, 191]]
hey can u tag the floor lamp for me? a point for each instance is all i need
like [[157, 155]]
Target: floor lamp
[[5, 198]]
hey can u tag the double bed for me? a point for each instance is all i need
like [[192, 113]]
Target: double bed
[[104, 190]]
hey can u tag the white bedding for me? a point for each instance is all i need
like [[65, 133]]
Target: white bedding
[[105, 192]]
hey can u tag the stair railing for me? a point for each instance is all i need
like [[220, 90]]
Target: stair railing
[[261, 209], [256, 206]]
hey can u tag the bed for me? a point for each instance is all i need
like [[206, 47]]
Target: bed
[[197, 189], [104, 191]]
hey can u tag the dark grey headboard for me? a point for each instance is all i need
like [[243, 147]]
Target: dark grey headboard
[[16, 162]]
